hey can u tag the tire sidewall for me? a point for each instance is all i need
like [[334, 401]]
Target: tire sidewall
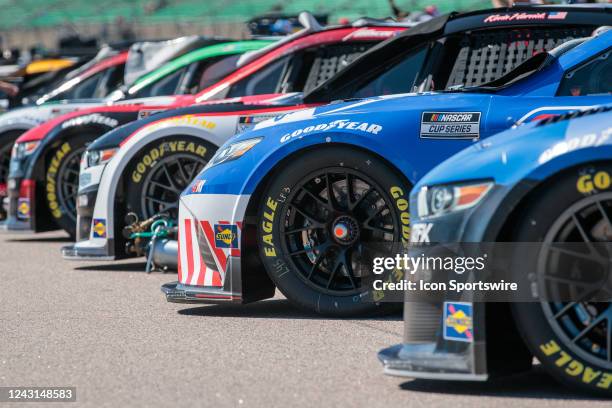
[[56, 160], [143, 163], [274, 204], [550, 349]]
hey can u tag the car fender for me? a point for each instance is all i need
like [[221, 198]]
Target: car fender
[[214, 130]]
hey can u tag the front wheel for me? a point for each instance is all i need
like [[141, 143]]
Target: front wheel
[[572, 339], [62, 181], [317, 219], [161, 171]]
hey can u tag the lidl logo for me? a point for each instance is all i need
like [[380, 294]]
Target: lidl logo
[[226, 236], [23, 208], [458, 321], [99, 228]]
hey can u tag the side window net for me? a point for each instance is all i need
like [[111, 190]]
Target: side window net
[[330, 60], [486, 56]]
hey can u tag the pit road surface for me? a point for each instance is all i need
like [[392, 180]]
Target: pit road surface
[[106, 329]]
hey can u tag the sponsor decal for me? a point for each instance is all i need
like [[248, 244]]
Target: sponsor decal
[[420, 232], [517, 16], [88, 119], [145, 113], [364, 127], [99, 228], [402, 205], [592, 181], [575, 368], [557, 15], [248, 122], [450, 125], [458, 321], [267, 225], [226, 236], [197, 187], [150, 158], [575, 143], [23, 208], [369, 33], [51, 187]]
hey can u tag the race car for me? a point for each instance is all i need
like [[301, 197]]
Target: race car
[[295, 202], [47, 177], [95, 80], [135, 181], [548, 182]]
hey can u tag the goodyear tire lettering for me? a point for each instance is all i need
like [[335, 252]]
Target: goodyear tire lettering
[[150, 158], [52, 170], [267, 226], [575, 368], [589, 183], [402, 205]]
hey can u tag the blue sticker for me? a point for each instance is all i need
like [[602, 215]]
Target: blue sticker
[[458, 321], [226, 236]]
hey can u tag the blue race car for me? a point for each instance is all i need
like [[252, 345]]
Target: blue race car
[[293, 203], [549, 182]]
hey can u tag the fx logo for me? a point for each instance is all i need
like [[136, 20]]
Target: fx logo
[[420, 233]]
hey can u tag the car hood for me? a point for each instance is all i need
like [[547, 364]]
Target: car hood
[[515, 153]]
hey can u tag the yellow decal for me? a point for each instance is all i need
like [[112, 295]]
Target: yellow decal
[[151, 157], [52, 170], [589, 183], [402, 204], [267, 226], [575, 368]]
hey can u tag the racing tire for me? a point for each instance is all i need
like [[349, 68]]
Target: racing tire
[[572, 340], [7, 140], [160, 172], [62, 180], [313, 247]]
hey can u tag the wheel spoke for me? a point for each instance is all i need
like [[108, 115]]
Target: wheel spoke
[[348, 266], [361, 198], [309, 217], [331, 197], [332, 275], [296, 230], [565, 309], [318, 198], [156, 200], [380, 229], [589, 327], [166, 187]]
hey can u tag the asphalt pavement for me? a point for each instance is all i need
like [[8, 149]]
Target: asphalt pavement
[[106, 329]]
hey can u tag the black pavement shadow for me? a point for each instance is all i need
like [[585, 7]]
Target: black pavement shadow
[[534, 384], [113, 266], [271, 309], [41, 239]]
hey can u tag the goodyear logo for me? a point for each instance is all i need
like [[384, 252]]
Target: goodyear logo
[[99, 228], [23, 208], [226, 236], [458, 321]]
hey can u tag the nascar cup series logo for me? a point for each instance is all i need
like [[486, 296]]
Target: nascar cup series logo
[[450, 125], [226, 236]]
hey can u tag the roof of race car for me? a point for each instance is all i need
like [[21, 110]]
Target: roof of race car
[[325, 36], [227, 48], [565, 16]]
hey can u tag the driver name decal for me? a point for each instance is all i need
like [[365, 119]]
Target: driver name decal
[[450, 125]]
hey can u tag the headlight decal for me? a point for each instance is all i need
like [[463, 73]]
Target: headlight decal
[[233, 151], [438, 200]]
